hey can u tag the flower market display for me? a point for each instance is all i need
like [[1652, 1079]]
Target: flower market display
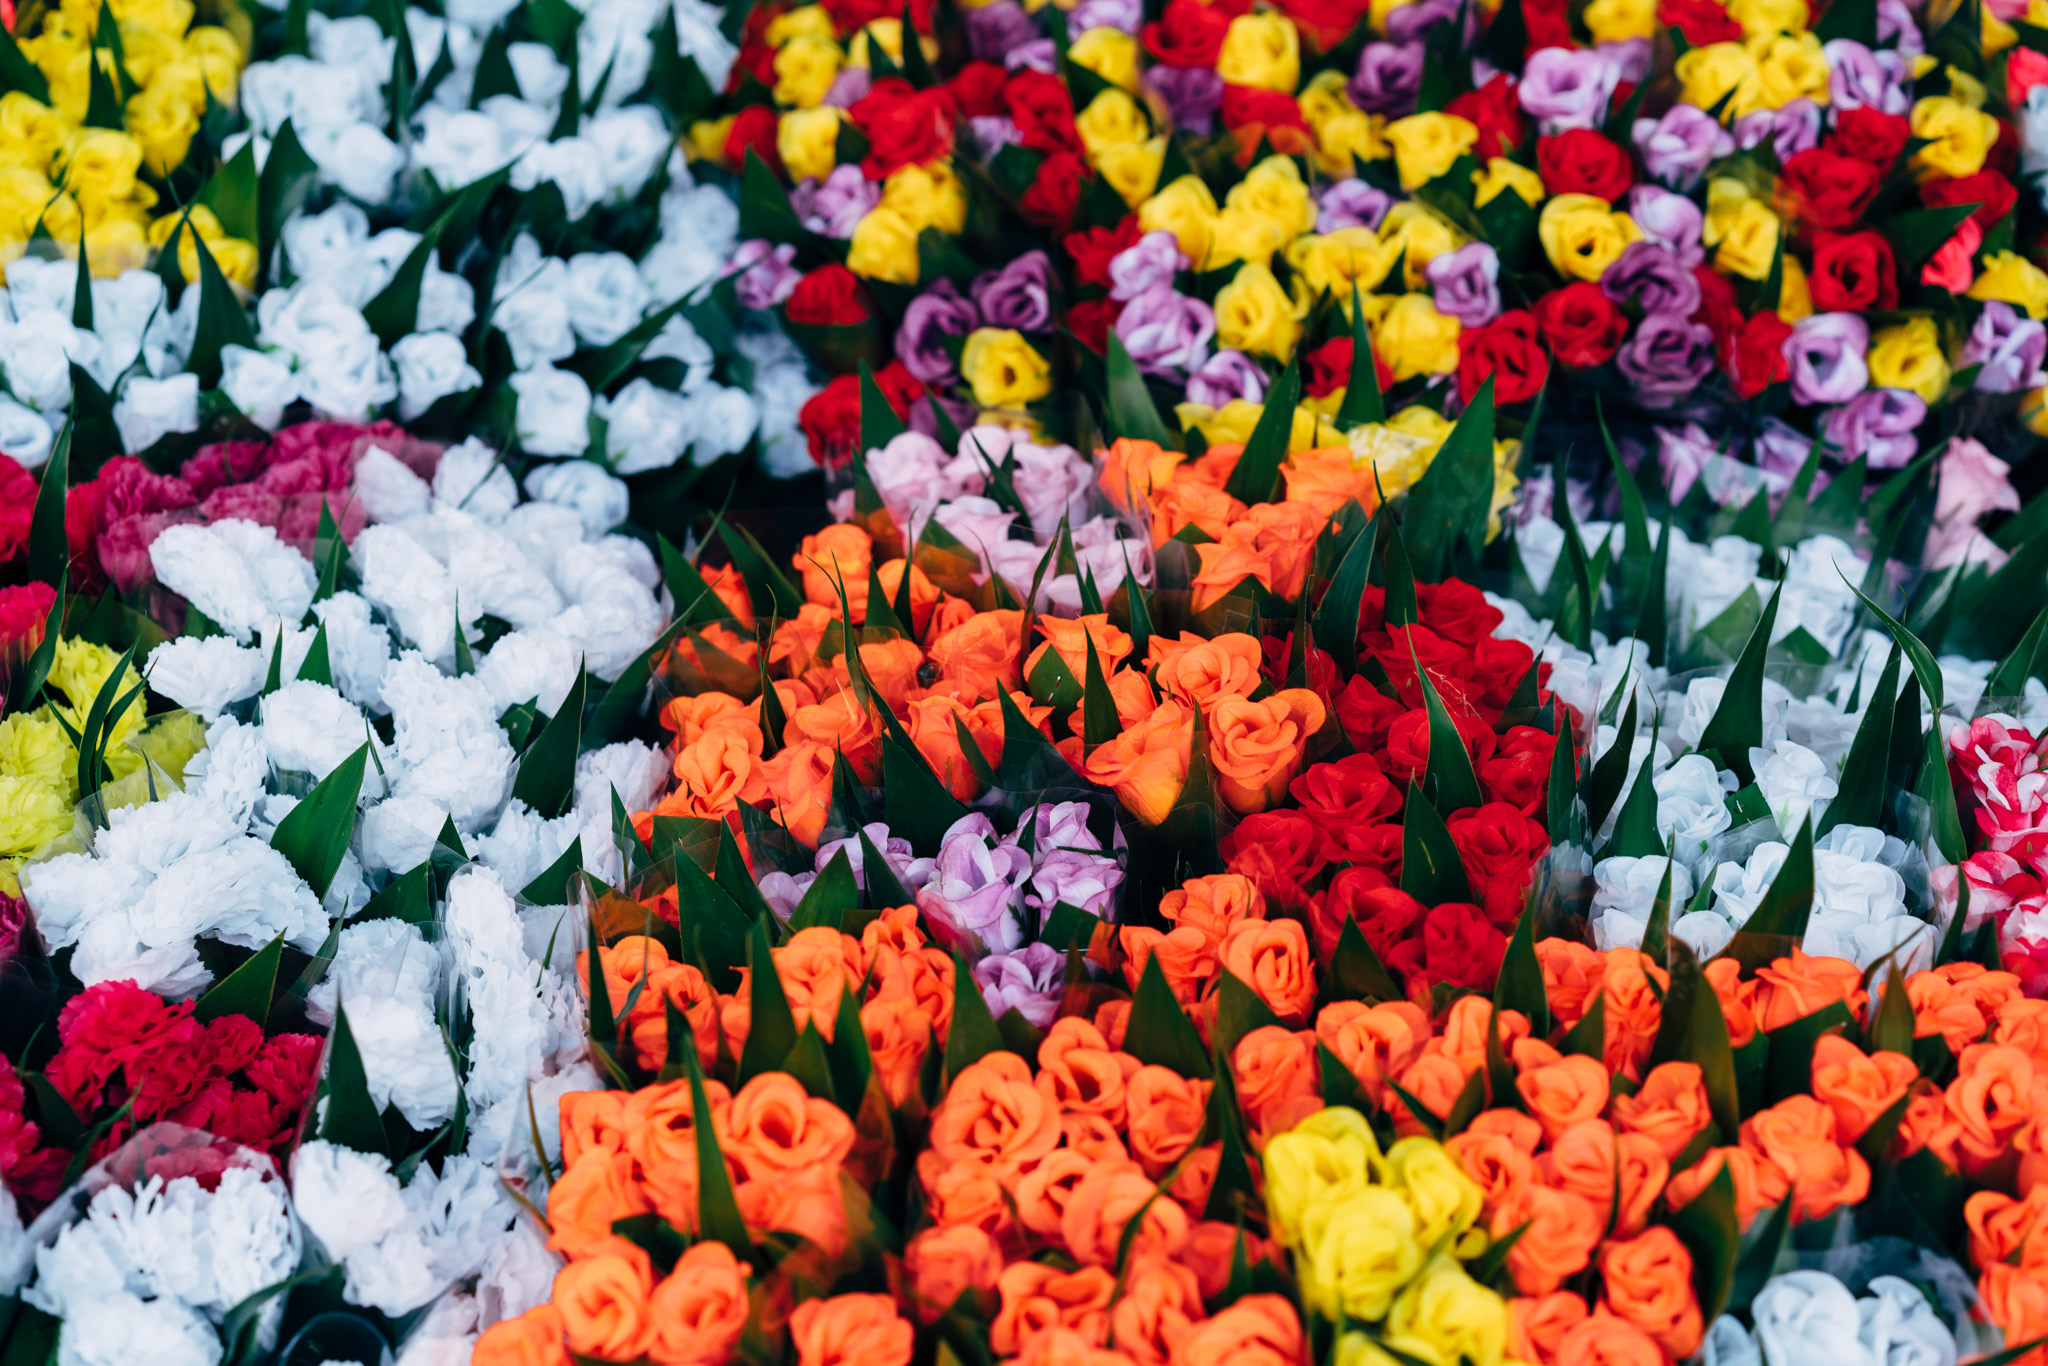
[[1116, 683]]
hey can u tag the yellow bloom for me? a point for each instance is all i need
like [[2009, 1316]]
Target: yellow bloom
[[1426, 145], [805, 21], [118, 244], [1762, 18], [1261, 50], [884, 246], [887, 32], [1110, 53], [1415, 339], [1242, 235], [1964, 88], [1997, 35], [26, 199], [170, 741], [807, 140], [1958, 137], [928, 196], [1358, 1252], [1581, 235], [805, 68], [706, 139], [1445, 1200], [79, 669], [1111, 118], [1342, 129], [1502, 175], [235, 257], [1186, 209], [1412, 229], [1795, 299], [166, 16], [102, 166], [2012, 277], [1908, 355], [1326, 1158], [31, 134], [1254, 314], [2034, 411], [1234, 421], [1617, 21], [32, 813], [1749, 242], [163, 122], [1002, 369], [1398, 457], [1334, 260], [1454, 1314], [33, 745], [1706, 74], [1132, 168], [146, 51], [1790, 68], [1274, 189]]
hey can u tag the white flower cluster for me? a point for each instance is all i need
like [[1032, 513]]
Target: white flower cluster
[[1804, 1318]]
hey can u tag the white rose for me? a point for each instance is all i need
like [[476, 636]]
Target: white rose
[[168, 339], [1870, 892], [1689, 805], [1728, 1343], [722, 420], [350, 380], [150, 409], [614, 37], [1808, 1318], [1900, 1327], [540, 74], [326, 245], [703, 214], [307, 320], [260, 384], [311, 95], [630, 144], [458, 147], [554, 411], [24, 434], [678, 340], [1795, 782], [646, 427], [1625, 893], [583, 486], [605, 296], [699, 36], [447, 301], [36, 353], [572, 165], [1739, 887], [357, 42], [356, 158], [480, 16], [431, 366], [532, 308], [1719, 574], [1704, 932]]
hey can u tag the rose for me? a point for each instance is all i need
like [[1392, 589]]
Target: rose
[[1829, 190], [602, 1301], [1043, 111], [1388, 77], [1565, 88], [1581, 161], [1093, 249], [1757, 359], [1826, 354], [431, 366], [1018, 295], [904, 126], [1050, 200], [1679, 147], [1853, 273], [2010, 348], [1655, 279], [1878, 424], [1256, 747], [830, 296], [1666, 358], [1165, 332], [1506, 352], [1188, 34], [1871, 135], [851, 1330], [1580, 324], [553, 413], [1494, 110], [1499, 846], [1805, 1316], [1702, 21], [1991, 192], [1465, 284], [150, 409]]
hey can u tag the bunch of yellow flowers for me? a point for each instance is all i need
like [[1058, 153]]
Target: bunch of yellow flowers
[[1378, 1239], [78, 181]]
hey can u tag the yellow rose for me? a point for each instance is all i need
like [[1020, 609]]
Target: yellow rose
[[1762, 18], [1110, 53], [1749, 242], [1398, 458], [1334, 260], [2009, 276], [209, 43], [1357, 1253], [1706, 75], [1002, 369], [1795, 299], [1426, 145], [1790, 68], [235, 258], [1327, 94], [884, 246], [1958, 137], [1413, 229], [1186, 209], [31, 134], [1254, 314], [164, 124], [33, 745], [1326, 1158], [26, 199], [1274, 188], [805, 68], [1111, 118], [1964, 88], [1261, 50], [1502, 175], [1132, 168], [706, 139], [1997, 35], [1445, 1200], [71, 81], [1908, 356], [146, 51], [1415, 339], [166, 16], [807, 141], [1617, 21], [887, 32], [928, 196], [1454, 1314], [118, 244], [1581, 235], [1242, 235], [1343, 130], [31, 815], [805, 21]]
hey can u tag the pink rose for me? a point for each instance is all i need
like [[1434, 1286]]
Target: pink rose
[[1973, 482], [1949, 268]]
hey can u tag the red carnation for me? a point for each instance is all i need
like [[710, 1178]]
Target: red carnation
[[1042, 110], [1506, 351], [1581, 161], [1580, 325], [1701, 21], [904, 126]]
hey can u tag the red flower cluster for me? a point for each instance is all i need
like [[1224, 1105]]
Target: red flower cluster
[[831, 417]]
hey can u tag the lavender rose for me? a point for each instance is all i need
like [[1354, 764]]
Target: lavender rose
[[971, 899], [1666, 358], [834, 206], [1225, 376], [1152, 260], [996, 29], [1193, 95], [1465, 284], [1388, 78], [1878, 424], [1679, 147], [1351, 203], [1670, 220], [1826, 354], [1166, 333], [2010, 347], [1030, 981], [1566, 88], [1125, 16], [1019, 295], [932, 316], [1653, 278]]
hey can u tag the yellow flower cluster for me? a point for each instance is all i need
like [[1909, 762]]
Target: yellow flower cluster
[[77, 180], [884, 245], [808, 57], [1377, 1239]]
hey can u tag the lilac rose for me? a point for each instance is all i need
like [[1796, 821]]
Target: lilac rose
[[1666, 358], [1030, 981], [2011, 348], [1878, 424], [1166, 333], [971, 900], [1826, 354], [934, 315], [1465, 284], [1653, 279], [1225, 376], [1019, 295]]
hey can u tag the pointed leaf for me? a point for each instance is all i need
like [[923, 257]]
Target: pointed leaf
[[246, 990], [973, 1034], [1432, 870], [1160, 1031], [1362, 401], [772, 1032], [547, 772], [1737, 725], [315, 834], [351, 1119], [1256, 476], [1780, 918]]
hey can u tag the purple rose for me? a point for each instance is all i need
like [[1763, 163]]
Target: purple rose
[[2010, 346], [1351, 203], [992, 133], [1225, 376], [1670, 220], [1166, 333], [1857, 78], [1088, 881], [1878, 424], [1193, 95], [933, 316], [1679, 147], [1030, 981], [1666, 358], [1019, 295], [1566, 88], [1411, 22], [996, 29], [847, 88], [1124, 16], [1465, 284], [1791, 129], [1684, 454], [766, 275], [1389, 75], [1826, 354], [895, 851], [1153, 260], [1040, 54], [1897, 30], [1781, 448], [1631, 58], [834, 206], [1654, 279], [971, 899]]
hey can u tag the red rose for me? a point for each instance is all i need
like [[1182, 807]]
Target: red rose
[[851, 16], [1868, 135], [1519, 771], [1581, 161], [1327, 369], [1852, 273], [1408, 743], [831, 418], [1827, 189], [1280, 851], [1276, 659], [1365, 713], [1386, 914], [1325, 23], [1718, 308], [1496, 112], [1050, 201], [1365, 846], [1090, 321], [1757, 359], [753, 130], [1499, 847], [1405, 647], [1548, 23], [1457, 611], [1189, 33], [1351, 789], [1701, 21], [1460, 948], [830, 296], [978, 89], [1246, 106], [904, 126], [1580, 325], [1094, 248], [1498, 667], [757, 59], [1506, 350], [1042, 110], [1991, 192]]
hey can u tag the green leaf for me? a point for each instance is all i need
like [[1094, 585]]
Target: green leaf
[[1657, 934], [773, 1031], [1099, 721], [1520, 984], [1256, 476], [827, 900], [717, 928], [49, 546], [1706, 1224], [1861, 800], [287, 178], [1356, 973], [1737, 725], [395, 311], [553, 887], [232, 195], [1336, 616], [1635, 826], [1760, 1258], [1239, 1011], [37, 671], [315, 668], [1160, 1031], [547, 771], [1779, 920], [1893, 1030], [1917, 234], [1132, 412], [222, 321], [351, 1119], [1398, 575], [1362, 400], [1448, 506], [2009, 679], [973, 1034], [314, 835], [879, 424], [1604, 780], [1449, 780], [772, 592], [103, 101], [920, 807], [17, 72], [729, 866], [1560, 803], [1432, 871], [1588, 1037], [718, 1211], [1790, 1070], [246, 990]]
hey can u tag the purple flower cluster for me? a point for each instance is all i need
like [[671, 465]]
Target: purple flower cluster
[[1018, 295]]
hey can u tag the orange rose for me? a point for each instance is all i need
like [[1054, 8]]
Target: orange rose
[[1213, 904], [1996, 1090], [799, 780], [1201, 672], [590, 1195], [661, 1137], [718, 772], [1605, 1340], [1649, 1283], [793, 649], [1257, 748], [994, 1118], [1212, 1245], [1092, 1136], [924, 594], [816, 967], [1514, 1126], [1583, 1159], [730, 588], [1133, 468], [2002, 1228], [841, 722], [1079, 1072], [1190, 502], [1272, 958], [1435, 1080], [1571, 975], [1724, 975], [604, 1309], [1856, 1086], [1563, 1231], [1042, 1193], [1167, 1112], [891, 666], [1797, 1135], [981, 653], [1272, 543], [1148, 763], [1038, 1298], [1275, 1069], [1325, 479], [1374, 1042], [1565, 1092], [851, 1330], [1186, 958], [648, 1020], [1469, 1023], [1634, 1007], [774, 1129], [1102, 1206], [1069, 637], [2024, 1025], [960, 1194], [1759, 1184], [1162, 1303], [691, 718], [1065, 1347], [838, 555], [1113, 1018], [898, 1034], [1794, 987], [1258, 1330], [935, 725], [2017, 1301], [700, 1310], [1938, 1008], [591, 1123], [1538, 1323], [942, 1264], [1670, 1108], [1495, 1164], [532, 1339], [1990, 991]]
